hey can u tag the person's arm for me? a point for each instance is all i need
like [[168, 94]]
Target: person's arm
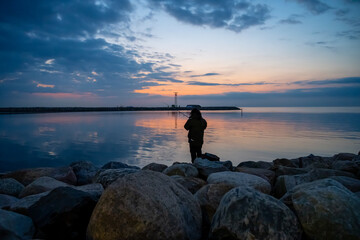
[[187, 125], [205, 123]]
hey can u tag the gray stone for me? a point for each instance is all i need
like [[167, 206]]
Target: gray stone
[[155, 167], [10, 186], [282, 170], [352, 184], [284, 162], [347, 166], [245, 213], [206, 167], [95, 190], [327, 210], [266, 174], [6, 201], [14, 226], [62, 214], [259, 164], [192, 184], [118, 165], [84, 171], [27, 176], [182, 169], [22, 206], [237, 179], [344, 156], [312, 161], [145, 205], [42, 184], [108, 176]]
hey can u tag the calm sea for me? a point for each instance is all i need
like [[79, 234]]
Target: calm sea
[[139, 138]]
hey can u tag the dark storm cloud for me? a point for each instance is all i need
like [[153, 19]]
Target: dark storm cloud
[[205, 75], [235, 15], [196, 83], [314, 6], [292, 19]]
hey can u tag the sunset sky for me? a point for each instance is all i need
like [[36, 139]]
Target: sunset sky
[[212, 52]]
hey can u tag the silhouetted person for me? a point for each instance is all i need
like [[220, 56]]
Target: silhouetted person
[[196, 126]]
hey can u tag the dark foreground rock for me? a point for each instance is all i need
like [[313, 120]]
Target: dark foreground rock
[[64, 213], [118, 165], [182, 169], [42, 184], [84, 171], [10, 186], [266, 174], [192, 184], [6, 201], [107, 176], [14, 226], [145, 205], [155, 167], [245, 213], [206, 167], [327, 210]]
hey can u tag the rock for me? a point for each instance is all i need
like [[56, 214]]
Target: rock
[[42, 184], [266, 174], [357, 194], [344, 156], [6, 201], [95, 190], [62, 214], [192, 184], [22, 205], [245, 213], [282, 170], [350, 183], [84, 171], [312, 161], [259, 164], [108, 176], [117, 165], [285, 183], [284, 162], [10, 186], [145, 205], [347, 166], [155, 167], [14, 226], [206, 167], [327, 210], [27, 176], [211, 157], [237, 179], [182, 169]]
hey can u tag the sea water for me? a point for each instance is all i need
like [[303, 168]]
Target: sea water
[[139, 138]]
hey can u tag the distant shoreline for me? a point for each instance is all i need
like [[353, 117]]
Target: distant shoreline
[[104, 109]]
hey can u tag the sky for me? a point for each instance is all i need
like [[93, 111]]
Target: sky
[[56, 53]]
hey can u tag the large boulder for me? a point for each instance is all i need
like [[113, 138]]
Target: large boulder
[[94, 189], [10, 186], [245, 213], [192, 184], [14, 226], [282, 170], [108, 176], [259, 164], [312, 161], [182, 169], [284, 162], [62, 214], [266, 174], [347, 166], [84, 171], [42, 184], [350, 183], [27, 176], [6, 201], [327, 210], [22, 205], [145, 205], [118, 165], [206, 167], [237, 179], [155, 167], [344, 156]]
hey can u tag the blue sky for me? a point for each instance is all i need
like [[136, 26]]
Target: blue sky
[[121, 53]]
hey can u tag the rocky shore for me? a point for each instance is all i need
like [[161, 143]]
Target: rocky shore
[[305, 198]]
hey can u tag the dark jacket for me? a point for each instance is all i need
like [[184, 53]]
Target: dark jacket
[[196, 129]]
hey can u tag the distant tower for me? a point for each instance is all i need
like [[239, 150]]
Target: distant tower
[[176, 99]]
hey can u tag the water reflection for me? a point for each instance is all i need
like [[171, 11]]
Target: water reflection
[[139, 138]]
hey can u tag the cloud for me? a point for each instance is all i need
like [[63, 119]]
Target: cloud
[[197, 83], [292, 19], [343, 81], [205, 75], [350, 34], [314, 6], [234, 15], [49, 61]]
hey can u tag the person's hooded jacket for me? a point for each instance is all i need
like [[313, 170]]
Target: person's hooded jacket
[[196, 126]]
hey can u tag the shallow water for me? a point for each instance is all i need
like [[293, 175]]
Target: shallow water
[[138, 138]]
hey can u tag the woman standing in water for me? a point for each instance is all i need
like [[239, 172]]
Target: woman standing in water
[[196, 126]]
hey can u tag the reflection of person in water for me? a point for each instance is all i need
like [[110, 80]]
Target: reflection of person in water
[[196, 126]]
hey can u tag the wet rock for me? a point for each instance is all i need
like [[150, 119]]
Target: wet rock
[[192, 184], [259, 164], [62, 214], [182, 169], [27, 176], [22, 205], [344, 156], [327, 210], [117, 165], [237, 179], [350, 183], [206, 167], [10, 186], [84, 171], [347, 166], [7, 200], [155, 167], [281, 170], [266, 174], [284, 162], [14, 226], [145, 205], [42, 184], [108, 176], [245, 213]]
